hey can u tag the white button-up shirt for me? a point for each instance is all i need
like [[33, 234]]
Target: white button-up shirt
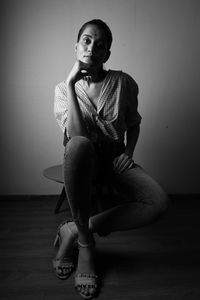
[[116, 109]]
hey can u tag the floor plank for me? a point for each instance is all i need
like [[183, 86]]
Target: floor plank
[[160, 261]]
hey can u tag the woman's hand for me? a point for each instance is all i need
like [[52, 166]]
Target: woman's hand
[[122, 163], [78, 71]]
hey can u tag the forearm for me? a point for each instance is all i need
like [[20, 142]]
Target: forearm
[[131, 140], [75, 122]]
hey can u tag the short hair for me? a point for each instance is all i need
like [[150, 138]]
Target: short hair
[[102, 26]]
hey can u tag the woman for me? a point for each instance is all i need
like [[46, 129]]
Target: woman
[[97, 111]]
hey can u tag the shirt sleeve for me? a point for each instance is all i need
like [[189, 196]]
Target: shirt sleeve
[[132, 116], [61, 105]]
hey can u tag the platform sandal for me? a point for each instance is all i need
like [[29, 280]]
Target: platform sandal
[[87, 281], [63, 267]]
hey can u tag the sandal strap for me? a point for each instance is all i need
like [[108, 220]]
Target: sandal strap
[[86, 280], [57, 263], [87, 245]]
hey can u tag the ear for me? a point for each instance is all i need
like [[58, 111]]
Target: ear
[[107, 56], [75, 47]]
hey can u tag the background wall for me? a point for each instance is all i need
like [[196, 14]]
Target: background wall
[[156, 41]]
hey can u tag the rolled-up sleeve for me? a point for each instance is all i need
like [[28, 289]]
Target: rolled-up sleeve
[[61, 105]]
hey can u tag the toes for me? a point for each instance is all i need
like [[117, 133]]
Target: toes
[[78, 288], [63, 272], [87, 290], [59, 272], [92, 290], [67, 271]]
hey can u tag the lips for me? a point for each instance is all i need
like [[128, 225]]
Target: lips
[[90, 58]]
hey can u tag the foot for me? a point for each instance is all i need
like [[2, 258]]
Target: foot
[[68, 233], [85, 278], [63, 263]]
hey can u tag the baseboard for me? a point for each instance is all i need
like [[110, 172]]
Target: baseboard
[[184, 196], [50, 196], [28, 197]]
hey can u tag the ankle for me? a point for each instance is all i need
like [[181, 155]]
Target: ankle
[[85, 240], [90, 244]]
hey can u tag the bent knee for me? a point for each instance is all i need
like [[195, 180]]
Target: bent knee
[[79, 143]]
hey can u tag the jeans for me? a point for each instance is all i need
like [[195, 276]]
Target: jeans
[[87, 164]]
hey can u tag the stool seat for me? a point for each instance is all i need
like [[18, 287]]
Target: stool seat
[[54, 173]]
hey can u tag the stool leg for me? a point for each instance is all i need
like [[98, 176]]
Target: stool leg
[[60, 200]]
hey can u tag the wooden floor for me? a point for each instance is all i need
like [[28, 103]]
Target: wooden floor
[[159, 262]]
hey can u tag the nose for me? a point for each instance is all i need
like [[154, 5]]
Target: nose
[[91, 48]]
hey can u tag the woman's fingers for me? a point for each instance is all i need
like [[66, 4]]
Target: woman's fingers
[[78, 71], [120, 160], [122, 163], [124, 166], [84, 68]]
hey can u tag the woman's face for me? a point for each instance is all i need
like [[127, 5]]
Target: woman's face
[[92, 47]]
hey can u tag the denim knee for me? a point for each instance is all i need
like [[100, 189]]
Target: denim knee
[[80, 144]]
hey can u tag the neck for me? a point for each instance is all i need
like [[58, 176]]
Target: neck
[[96, 75]]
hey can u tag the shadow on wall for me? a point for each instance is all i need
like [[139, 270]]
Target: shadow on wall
[[161, 53]]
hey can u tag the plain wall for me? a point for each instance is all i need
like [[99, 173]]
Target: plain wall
[[156, 41]]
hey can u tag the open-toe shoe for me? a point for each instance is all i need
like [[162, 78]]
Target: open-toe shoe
[[86, 284]]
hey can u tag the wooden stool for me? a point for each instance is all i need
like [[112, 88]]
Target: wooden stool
[[55, 173]]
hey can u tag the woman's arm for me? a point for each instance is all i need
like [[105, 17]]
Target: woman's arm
[[125, 161], [131, 139], [75, 122]]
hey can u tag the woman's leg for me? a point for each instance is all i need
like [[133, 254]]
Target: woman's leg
[[79, 172], [143, 200]]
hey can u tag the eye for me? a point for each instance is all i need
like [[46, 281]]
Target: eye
[[101, 45], [86, 40]]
